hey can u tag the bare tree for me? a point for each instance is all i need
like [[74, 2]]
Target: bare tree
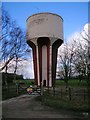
[[74, 58], [13, 43], [5, 27], [5, 24], [4, 38], [87, 39], [65, 60], [81, 55], [18, 44]]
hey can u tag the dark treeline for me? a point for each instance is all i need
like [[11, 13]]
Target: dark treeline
[[10, 77]]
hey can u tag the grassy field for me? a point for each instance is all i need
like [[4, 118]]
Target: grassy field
[[72, 83], [27, 82]]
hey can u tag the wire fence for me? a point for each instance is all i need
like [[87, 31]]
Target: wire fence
[[71, 94]]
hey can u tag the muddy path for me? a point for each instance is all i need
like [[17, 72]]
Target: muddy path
[[26, 106]]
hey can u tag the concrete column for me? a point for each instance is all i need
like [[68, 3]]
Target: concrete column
[[50, 67], [44, 65], [38, 74]]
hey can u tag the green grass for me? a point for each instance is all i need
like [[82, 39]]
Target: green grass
[[78, 102], [72, 83], [58, 103]]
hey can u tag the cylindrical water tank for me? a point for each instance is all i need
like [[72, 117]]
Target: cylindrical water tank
[[45, 25]]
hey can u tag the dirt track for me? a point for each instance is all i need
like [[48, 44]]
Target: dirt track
[[25, 106]]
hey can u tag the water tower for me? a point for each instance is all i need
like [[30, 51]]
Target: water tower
[[44, 36]]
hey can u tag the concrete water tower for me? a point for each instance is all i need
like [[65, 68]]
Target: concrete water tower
[[44, 36]]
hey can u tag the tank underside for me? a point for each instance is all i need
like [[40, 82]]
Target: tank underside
[[45, 60]]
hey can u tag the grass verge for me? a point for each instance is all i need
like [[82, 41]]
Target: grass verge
[[58, 104]]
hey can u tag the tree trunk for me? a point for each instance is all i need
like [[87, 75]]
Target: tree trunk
[[15, 69]]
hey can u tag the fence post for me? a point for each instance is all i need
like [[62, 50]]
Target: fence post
[[70, 94], [17, 87], [7, 88], [53, 90], [84, 95], [41, 88], [61, 93]]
